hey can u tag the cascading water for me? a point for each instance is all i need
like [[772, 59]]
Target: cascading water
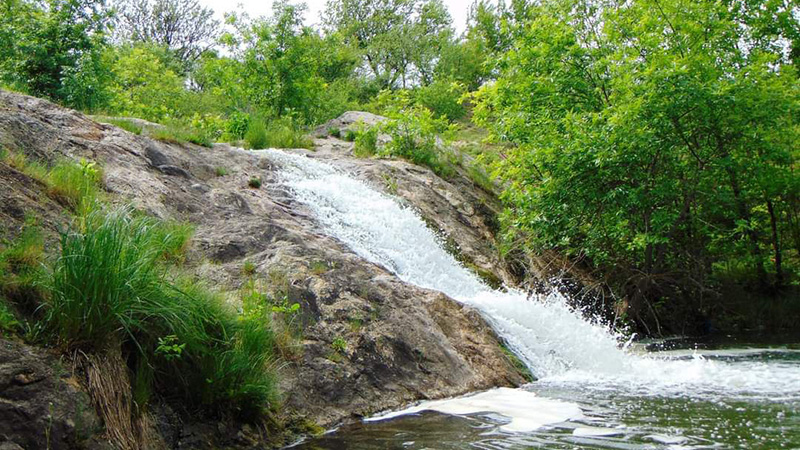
[[554, 341], [572, 358]]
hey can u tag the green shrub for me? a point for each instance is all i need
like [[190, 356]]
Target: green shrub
[[443, 98], [416, 135], [221, 171], [256, 135], [255, 182], [366, 143], [349, 135], [335, 132]]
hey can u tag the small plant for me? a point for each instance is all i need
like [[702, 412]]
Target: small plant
[[169, 348], [255, 182], [390, 183], [339, 345], [8, 321], [335, 132], [319, 267], [355, 324], [221, 171], [248, 268], [366, 143], [349, 135]]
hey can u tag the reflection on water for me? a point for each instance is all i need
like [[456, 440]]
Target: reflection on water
[[613, 418]]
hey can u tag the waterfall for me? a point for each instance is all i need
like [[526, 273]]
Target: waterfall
[[555, 342]]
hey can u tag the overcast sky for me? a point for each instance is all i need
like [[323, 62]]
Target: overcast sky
[[458, 9]]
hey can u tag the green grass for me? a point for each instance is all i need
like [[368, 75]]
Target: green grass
[[125, 124], [349, 136], [8, 320], [75, 185], [220, 171], [254, 182], [178, 134], [110, 286], [279, 133], [21, 267], [335, 132]]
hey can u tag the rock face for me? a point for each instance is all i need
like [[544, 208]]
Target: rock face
[[395, 343], [41, 403]]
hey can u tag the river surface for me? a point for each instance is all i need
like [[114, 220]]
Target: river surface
[[594, 389]]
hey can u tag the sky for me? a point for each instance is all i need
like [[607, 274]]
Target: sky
[[458, 9]]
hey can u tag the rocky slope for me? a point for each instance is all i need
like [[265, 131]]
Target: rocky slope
[[403, 343]]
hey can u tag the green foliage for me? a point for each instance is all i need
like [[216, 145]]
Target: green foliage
[[443, 99], [415, 133], [339, 345], [75, 185], [8, 320], [53, 48], [110, 286], [279, 133], [254, 182], [256, 135], [125, 124], [178, 134], [335, 132], [220, 171], [349, 135], [366, 142], [655, 140]]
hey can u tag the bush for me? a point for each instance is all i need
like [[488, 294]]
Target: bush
[[443, 98], [110, 287], [366, 143], [256, 135], [349, 135], [255, 182], [416, 135]]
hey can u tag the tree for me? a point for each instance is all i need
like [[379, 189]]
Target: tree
[[656, 140], [53, 48], [399, 39], [182, 26]]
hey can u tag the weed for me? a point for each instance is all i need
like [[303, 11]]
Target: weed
[[390, 183], [319, 267], [256, 135], [221, 171], [255, 182], [339, 345], [349, 135], [248, 268], [335, 132]]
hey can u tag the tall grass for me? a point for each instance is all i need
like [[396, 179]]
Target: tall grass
[[75, 185], [366, 143], [278, 133], [110, 286], [21, 265]]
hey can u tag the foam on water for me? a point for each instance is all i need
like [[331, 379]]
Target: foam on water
[[526, 411], [555, 342]]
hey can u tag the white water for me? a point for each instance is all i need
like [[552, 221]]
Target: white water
[[559, 346]]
